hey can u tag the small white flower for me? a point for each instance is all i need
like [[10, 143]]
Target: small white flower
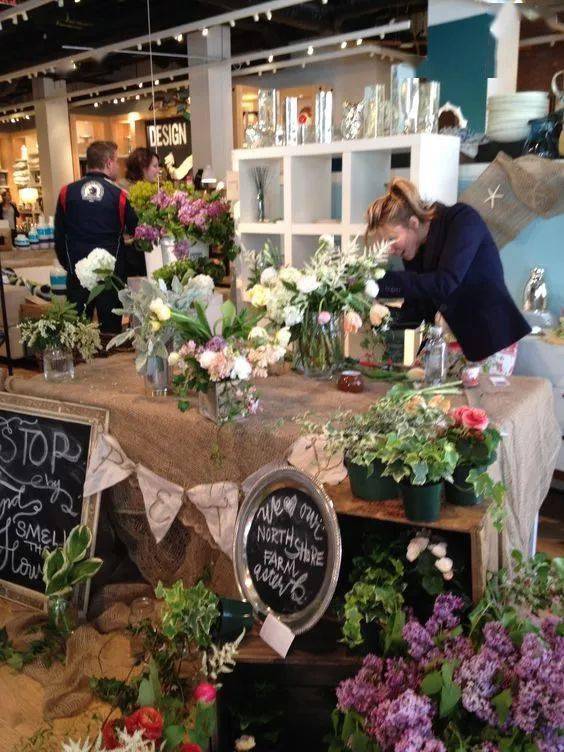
[[258, 332], [293, 315], [448, 575], [160, 309], [258, 296], [416, 547], [328, 241], [245, 743], [283, 337], [307, 283], [155, 325], [438, 549], [289, 274], [379, 273], [371, 288], [378, 313], [444, 565], [242, 369], [173, 359], [268, 276]]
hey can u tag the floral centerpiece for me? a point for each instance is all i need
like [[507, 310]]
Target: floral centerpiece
[[151, 328], [58, 335], [333, 294], [184, 214], [219, 364], [476, 442]]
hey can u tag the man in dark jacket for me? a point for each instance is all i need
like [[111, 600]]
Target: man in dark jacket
[[94, 213]]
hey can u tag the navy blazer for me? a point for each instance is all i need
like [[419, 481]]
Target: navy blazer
[[458, 272]]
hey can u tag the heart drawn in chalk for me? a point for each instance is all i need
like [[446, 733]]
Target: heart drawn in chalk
[[290, 503]]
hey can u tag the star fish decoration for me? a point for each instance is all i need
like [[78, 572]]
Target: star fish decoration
[[493, 196]]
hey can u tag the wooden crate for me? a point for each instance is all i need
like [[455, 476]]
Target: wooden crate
[[474, 522]]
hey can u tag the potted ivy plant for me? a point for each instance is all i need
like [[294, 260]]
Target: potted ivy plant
[[476, 442], [366, 470], [420, 464]]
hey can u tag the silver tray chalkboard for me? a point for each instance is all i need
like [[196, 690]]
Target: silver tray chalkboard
[[287, 548]]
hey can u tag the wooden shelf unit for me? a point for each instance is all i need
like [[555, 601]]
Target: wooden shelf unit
[[474, 522]]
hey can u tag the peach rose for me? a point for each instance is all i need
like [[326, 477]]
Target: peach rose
[[475, 419], [352, 322]]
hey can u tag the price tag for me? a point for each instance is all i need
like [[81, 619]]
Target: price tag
[[277, 635]]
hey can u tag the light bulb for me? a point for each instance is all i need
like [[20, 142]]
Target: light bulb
[[122, 99], [310, 50], [232, 23], [256, 17], [159, 42], [140, 84], [269, 15], [137, 96], [270, 58], [115, 101], [157, 82], [343, 45], [205, 31], [179, 37]]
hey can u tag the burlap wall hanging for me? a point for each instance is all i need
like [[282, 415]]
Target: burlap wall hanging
[[511, 193]]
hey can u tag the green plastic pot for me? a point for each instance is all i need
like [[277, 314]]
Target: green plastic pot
[[422, 503], [371, 486], [236, 616], [460, 492]]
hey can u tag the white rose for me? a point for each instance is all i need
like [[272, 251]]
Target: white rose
[[293, 315], [173, 358], [378, 313], [444, 565], [371, 288], [283, 337], [439, 550], [307, 283], [206, 359], [448, 575], [258, 296], [416, 547], [269, 276], [242, 369], [258, 332]]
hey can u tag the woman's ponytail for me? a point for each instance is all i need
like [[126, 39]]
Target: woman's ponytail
[[397, 206]]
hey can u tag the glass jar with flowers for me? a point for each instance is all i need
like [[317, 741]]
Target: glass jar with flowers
[[58, 335], [476, 442], [219, 365], [330, 297]]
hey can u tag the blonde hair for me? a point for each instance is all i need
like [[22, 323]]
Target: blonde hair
[[397, 206]]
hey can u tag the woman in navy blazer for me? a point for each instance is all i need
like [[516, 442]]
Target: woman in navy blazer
[[452, 266]]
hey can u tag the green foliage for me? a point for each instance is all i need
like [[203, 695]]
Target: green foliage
[[485, 487], [185, 269], [189, 612], [269, 257], [115, 692], [61, 327], [66, 566], [418, 459], [348, 734]]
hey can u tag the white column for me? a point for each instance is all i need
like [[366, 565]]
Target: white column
[[211, 108], [53, 139], [506, 29]]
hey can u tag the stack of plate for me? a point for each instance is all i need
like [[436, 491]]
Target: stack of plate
[[509, 114]]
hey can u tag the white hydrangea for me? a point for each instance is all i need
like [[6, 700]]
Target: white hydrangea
[[203, 284], [268, 276], [293, 315], [290, 275], [87, 269], [307, 283], [242, 369], [371, 288], [283, 337]]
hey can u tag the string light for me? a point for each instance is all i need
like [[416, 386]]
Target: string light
[[324, 2], [358, 42], [343, 45], [310, 50], [122, 99], [139, 46], [256, 17], [205, 31], [179, 38], [96, 104], [60, 3], [269, 15], [232, 23], [159, 42], [27, 117], [270, 58], [157, 82], [137, 96], [140, 84], [24, 16], [115, 101]]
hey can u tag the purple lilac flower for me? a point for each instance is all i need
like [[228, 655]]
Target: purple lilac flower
[[182, 249], [459, 648], [147, 232], [216, 344], [551, 741], [476, 676], [420, 643], [391, 721], [497, 639], [444, 616]]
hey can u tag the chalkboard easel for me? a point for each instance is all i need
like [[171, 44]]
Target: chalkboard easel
[[45, 447]]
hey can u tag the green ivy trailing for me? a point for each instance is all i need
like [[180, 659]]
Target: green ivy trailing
[[188, 613]]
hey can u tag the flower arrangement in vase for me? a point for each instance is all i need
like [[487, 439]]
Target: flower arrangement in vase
[[58, 334], [185, 215], [218, 364], [332, 295]]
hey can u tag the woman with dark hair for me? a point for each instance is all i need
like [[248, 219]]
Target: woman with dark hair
[[452, 266], [142, 164]]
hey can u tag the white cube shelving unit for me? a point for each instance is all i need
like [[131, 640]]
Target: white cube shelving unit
[[299, 192]]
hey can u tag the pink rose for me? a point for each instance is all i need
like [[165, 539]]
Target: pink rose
[[352, 322], [475, 419], [458, 413], [205, 693], [323, 317]]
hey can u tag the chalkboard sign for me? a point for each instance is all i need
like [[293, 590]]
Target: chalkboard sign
[[287, 548], [44, 451]]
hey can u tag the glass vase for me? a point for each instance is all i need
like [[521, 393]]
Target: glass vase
[[261, 214], [228, 400], [61, 615], [320, 346], [58, 364], [156, 376]]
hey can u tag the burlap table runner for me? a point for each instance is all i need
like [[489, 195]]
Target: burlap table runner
[[187, 449], [525, 188]]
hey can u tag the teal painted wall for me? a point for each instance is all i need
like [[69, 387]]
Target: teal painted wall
[[461, 55]]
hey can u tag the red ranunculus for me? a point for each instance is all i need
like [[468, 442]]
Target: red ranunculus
[[475, 419], [148, 720], [458, 413], [190, 747], [205, 692], [109, 736]]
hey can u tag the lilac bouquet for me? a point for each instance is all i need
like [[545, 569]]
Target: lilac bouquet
[[501, 691]]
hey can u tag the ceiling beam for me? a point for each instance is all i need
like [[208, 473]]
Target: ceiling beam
[[544, 39], [21, 8], [100, 52]]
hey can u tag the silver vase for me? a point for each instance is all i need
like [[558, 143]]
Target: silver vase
[[167, 249]]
